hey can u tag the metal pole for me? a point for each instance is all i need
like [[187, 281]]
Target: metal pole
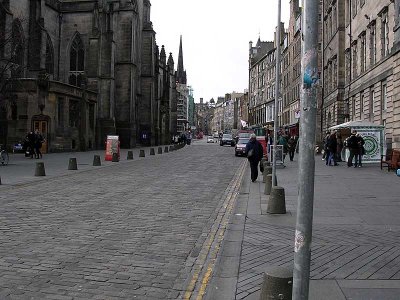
[[308, 106], [277, 83]]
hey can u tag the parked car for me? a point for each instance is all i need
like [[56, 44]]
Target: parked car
[[227, 139], [240, 148], [210, 139]]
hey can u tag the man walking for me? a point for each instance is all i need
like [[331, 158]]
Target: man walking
[[291, 144], [352, 144], [254, 153]]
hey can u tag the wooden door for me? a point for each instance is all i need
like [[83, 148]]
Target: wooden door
[[43, 129]]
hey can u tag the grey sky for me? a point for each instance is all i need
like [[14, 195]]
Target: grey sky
[[216, 35]]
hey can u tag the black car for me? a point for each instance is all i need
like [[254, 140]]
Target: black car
[[227, 139], [240, 148]]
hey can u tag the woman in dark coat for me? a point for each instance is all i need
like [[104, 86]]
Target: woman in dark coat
[[254, 153]]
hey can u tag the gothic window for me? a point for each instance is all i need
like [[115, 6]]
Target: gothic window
[[76, 62], [17, 49], [49, 57]]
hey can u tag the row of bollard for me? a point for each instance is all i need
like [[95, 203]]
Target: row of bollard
[[73, 165], [277, 281]]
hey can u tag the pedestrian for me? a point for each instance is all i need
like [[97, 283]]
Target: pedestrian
[[332, 148], [254, 153], [339, 147], [291, 144], [324, 143], [361, 150], [189, 138], [38, 144], [31, 143], [352, 145], [269, 142], [284, 142]]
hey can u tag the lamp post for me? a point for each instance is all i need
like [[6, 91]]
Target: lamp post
[[308, 106], [277, 83]]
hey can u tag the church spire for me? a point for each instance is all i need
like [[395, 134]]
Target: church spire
[[181, 73]]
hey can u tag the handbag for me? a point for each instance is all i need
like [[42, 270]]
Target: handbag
[[250, 153]]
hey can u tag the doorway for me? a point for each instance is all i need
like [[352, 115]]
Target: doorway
[[42, 126]]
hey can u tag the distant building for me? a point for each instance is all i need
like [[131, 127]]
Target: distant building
[[182, 93], [191, 108]]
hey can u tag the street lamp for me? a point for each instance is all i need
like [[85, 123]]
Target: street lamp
[[277, 82]]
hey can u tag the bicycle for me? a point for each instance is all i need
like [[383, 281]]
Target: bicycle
[[3, 157]]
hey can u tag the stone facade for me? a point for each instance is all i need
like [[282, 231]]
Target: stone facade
[[360, 56], [204, 115], [96, 69], [291, 72], [261, 83], [262, 78]]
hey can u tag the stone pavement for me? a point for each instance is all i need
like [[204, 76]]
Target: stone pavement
[[141, 229], [21, 170], [356, 234]]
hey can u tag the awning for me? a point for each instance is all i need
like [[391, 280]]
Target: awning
[[357, 124]]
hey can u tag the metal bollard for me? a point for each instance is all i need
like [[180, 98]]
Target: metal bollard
[[159, 150], [152, 152], [166, 149], [171, 148], [129, 155], [141, 153], [96, 161], [72, 164]]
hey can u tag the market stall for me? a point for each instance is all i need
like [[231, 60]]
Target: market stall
[[373, 135]]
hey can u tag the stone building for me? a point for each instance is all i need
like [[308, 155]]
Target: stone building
[[218, 119], [191, 108], [82, 69], [204, 114], [359, 59], [182, 93], [243, 110], [291, 83], [262, 77], [261, 95]]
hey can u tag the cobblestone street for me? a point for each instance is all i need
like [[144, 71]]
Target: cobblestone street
[[123, 231]]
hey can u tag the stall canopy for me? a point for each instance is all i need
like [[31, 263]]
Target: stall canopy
[[372, 134], [356, 124]]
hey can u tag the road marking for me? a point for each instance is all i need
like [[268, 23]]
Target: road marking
[[205, 263]]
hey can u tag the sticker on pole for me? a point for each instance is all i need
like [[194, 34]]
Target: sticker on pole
[[298, 241]]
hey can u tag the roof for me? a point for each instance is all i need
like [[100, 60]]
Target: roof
[[357, 124]]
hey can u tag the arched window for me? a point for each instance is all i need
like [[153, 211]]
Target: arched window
[[49, 56], [76, 62], [17, 49]]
